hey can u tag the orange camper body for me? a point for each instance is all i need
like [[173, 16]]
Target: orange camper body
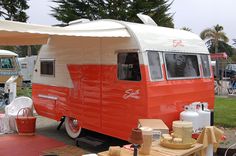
[[105, 75], [107, 84]]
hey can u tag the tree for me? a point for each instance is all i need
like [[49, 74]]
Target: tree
[[215, 36], [69, 10], [222, 47], [14, 10]]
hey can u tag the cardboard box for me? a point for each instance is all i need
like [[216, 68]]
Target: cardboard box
[[156, 124]]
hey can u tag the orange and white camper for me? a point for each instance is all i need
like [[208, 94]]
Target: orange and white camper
[[105, 75]]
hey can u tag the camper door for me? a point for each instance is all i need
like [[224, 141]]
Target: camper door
[[122, 94]]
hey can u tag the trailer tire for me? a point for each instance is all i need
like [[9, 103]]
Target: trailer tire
[[73, 128]]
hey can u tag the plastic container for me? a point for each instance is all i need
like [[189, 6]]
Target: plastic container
[[183, 129], [147, 140]]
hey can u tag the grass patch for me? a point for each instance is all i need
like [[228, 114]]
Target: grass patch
[[26, 91], [225, 112]]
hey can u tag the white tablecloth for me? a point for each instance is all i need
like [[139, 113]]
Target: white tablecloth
[[7, 124]]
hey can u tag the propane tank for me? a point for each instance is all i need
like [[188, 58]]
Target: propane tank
[[190, 114], [204, 115]]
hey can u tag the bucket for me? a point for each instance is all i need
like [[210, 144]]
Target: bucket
[[25, 124]]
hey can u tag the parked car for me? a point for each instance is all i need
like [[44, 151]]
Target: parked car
[[230, 70]]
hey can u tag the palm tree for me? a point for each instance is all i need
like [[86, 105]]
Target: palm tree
[[214, 35]]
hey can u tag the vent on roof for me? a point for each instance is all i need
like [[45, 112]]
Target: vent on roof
[[146, 19], [82, 20]]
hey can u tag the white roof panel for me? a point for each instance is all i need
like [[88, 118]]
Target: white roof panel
[[166, 39], [149, 37], [7, 53]]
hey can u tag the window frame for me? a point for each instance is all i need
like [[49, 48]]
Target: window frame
[[13, 59], [117, 63], [44, 60], [209, 60], [181, 78], [160, 54]]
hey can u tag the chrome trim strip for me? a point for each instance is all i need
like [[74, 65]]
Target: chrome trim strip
[[47, 97]]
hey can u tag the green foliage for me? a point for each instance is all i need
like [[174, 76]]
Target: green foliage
[[216, 33], [69, 10], [23, 51], [233, 57], [224, 112], [26, 91], [222, 47], [217, 40], [14, 10]]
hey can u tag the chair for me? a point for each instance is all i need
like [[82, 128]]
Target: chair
[[12, 109]]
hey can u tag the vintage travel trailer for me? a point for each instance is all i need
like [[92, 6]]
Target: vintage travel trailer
[[105, 75], [9, 66], [27, 67]]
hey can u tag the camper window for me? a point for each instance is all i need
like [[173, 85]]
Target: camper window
[[128, 67], [182, 65], [205, 66], [24, 65], [6, 63], [154, 65], [47, 67]]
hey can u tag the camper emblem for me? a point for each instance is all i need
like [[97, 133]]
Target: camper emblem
[[131, 93], [178, 43]]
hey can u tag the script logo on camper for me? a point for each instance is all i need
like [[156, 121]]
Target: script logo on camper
[[178, 43], [131, 93]]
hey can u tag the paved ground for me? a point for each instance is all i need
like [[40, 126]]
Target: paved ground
[[48, 127]]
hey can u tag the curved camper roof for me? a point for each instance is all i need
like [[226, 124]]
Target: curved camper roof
[[7, 53], [166, 39], [149, 37]]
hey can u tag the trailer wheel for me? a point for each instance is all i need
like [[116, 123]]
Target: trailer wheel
[[73, 128]]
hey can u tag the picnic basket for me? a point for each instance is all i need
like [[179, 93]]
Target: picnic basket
[[25, 123]]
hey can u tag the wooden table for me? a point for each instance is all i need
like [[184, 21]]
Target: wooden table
[[158, 150]]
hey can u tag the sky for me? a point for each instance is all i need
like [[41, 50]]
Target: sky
[[194, 14]]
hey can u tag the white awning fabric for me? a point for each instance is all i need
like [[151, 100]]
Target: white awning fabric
[[17, 33]]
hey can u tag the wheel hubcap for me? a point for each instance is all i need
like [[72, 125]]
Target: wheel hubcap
[[74, 125]]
